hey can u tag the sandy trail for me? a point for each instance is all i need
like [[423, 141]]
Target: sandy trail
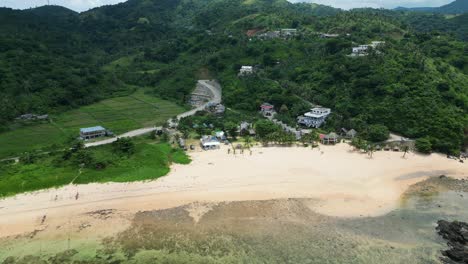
[[345, 183]]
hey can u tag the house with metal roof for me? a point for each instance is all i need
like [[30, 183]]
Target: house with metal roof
[[210, 142], [92, 132], [246, 70], [267, 110], [315, 117]]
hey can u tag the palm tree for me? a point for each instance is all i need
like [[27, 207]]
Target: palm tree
[[405, 150], [371, 150]]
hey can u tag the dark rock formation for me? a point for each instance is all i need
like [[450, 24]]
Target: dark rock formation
[[456, 234]]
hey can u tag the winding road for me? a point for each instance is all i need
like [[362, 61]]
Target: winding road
[[213, 86]]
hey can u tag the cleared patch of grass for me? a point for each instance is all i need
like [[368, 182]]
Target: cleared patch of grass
[[120, 114], [149, 162]]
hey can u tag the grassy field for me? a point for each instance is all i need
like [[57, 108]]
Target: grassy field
[[118, 114], [151, 160]]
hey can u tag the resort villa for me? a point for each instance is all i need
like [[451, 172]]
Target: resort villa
[[315, 118], [209, 142], [92, 132], [245, 70], [267, 110]]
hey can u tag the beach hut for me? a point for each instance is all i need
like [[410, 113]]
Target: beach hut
[[331, 138], [351, 134]]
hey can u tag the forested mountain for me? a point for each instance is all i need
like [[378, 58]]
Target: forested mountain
[[456, 7], [423, 22], [52, 58]]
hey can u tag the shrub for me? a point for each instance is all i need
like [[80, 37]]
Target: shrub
[[423, 145]]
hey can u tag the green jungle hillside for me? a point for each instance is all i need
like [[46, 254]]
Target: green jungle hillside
[[53, 59]]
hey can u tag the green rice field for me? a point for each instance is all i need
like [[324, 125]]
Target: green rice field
[[120, 114]]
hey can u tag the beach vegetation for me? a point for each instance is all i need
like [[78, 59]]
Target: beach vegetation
[[126, 161], [423, 145]]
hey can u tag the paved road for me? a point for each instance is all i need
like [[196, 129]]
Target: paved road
[[132, 133], [213, 86]]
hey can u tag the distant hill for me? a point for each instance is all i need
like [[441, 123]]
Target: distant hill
[[456, 7], [431, 22]]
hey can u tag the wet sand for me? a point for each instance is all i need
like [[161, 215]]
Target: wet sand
[[341, 182]]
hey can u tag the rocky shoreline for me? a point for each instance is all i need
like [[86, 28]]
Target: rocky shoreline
[[456, 234]]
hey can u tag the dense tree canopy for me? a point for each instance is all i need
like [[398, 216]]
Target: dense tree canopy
[[417, 84]]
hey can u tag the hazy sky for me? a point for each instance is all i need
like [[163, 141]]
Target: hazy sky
[[81, 5]]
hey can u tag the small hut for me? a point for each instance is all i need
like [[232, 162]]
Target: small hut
[[331, 138]]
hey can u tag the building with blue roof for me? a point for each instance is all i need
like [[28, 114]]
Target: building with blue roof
[[92, 132]]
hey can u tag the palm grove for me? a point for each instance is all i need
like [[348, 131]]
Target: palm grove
[[53, 59]]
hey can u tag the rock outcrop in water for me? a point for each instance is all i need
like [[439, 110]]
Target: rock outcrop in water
[[456, 234]]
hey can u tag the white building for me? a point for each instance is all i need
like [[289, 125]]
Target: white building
[[245, 70], [210, 142], [315, 118], [362, 50], [376, 44], [325, 35], [288, 32], [92, 132]]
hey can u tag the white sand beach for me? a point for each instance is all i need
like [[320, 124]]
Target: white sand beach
[[344, 183]]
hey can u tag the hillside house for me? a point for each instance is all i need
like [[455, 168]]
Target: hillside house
[[363, 50], [33, 117], [92, 132], [267, 110], [246, 70], [288, 32], [245, 128], [217, 109], [315, 117], [209, 142], [324, 35]]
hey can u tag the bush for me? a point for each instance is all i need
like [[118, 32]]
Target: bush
[[423, 145]]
